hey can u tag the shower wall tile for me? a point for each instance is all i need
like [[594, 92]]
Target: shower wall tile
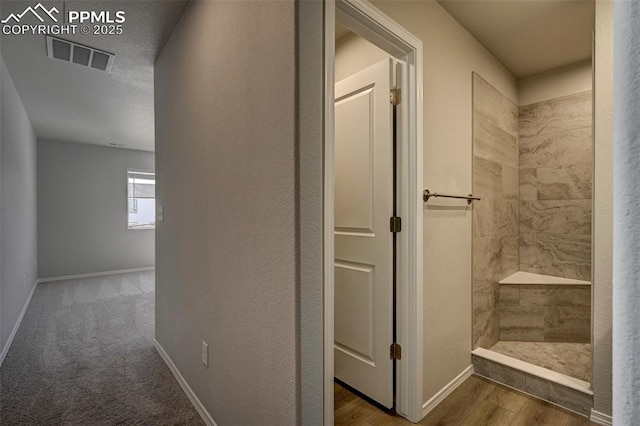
[[556, 149], [545, 313], [522, 323], [565, 255], [555, 295], [528, 120], [528, 249], [485, 312], [565, 113], [528, 184], [487, 178], [556, 158], [568, 324], [510, 182], [510, 260], [496, 216], [555, 217], [494, 143], [564, 182], [492, 105], [487, 258], [509, 294]]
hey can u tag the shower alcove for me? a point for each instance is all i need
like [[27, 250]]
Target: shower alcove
[[532, 167]]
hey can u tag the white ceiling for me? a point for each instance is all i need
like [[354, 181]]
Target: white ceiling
[[529, 36], [73, 103]]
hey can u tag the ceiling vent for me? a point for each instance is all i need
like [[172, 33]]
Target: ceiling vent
[[67, 51]]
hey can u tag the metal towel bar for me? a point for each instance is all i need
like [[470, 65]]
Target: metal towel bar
[[470, 198]]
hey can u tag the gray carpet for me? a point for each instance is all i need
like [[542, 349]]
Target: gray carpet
[[84, 355]]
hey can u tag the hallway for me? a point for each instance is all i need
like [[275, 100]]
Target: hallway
[[84, 355]]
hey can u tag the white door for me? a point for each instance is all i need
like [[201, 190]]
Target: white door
[[363, 241]]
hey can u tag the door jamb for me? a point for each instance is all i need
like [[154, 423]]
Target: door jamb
[[373, 25]]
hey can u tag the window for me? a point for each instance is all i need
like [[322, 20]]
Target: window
[[141, 199]]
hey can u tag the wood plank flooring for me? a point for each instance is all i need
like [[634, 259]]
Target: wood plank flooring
[[475, 402]]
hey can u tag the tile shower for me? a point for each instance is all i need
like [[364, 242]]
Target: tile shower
[[532, 166]]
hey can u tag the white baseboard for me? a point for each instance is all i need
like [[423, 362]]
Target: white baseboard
[[600, 418], [95, 274], [7, 345], [206, 417], [446, 391]]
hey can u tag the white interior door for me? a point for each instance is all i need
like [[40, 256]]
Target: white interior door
[[363, 241]]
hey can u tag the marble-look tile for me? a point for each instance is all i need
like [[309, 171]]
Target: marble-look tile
[[556, 217], [510, 258], [509, 294], [486, 321], [567, 324], [525, 323], [553, 392], [528, 182], [495, 217], [528, 120], [486, 326], [528, 248], [565, 113], [487, 178], [493, 143], [498, 372], [510, 179], [572, 359], [556, 149], [534, 268], [565, 255], [487, 257], [564, 182], [559, 295], [494, 106]]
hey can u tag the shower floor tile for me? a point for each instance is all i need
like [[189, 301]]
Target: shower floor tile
[[572, 359]]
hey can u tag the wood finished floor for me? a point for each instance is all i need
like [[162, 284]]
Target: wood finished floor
[[477, 401]]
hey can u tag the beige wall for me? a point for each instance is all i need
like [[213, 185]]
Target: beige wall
[[569, 80], [451, 54], [603, 206], [227, 259]]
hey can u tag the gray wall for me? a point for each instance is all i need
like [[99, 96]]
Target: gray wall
[[495, 217], [18, 246], [82, 210], [226, 251]]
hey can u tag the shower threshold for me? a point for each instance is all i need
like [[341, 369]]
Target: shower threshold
[[553, 386], [572, 359]]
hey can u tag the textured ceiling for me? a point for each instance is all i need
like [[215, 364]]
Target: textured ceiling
[[529, 36], [73, 103]]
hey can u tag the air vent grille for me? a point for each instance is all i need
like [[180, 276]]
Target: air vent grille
[[68, 51]]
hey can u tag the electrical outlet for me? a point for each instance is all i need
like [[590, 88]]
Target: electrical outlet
[[205, 354], [160, 214]]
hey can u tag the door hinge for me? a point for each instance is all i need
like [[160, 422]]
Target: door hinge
[[395, 351], [395, 224], [395, 96]]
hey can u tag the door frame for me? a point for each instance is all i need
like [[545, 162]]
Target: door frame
[[370, 23]]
